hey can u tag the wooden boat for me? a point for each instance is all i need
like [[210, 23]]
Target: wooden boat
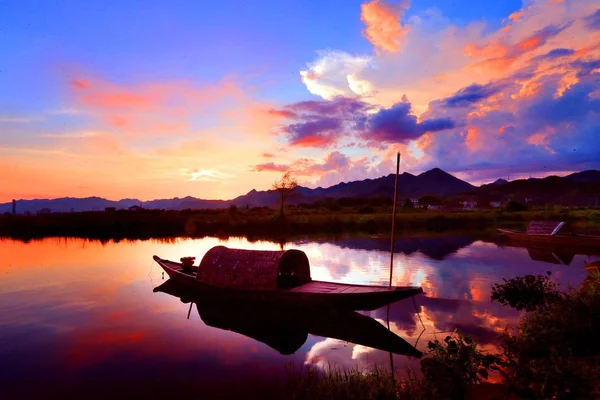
[[277, 276], [286, 329], [554, 233]]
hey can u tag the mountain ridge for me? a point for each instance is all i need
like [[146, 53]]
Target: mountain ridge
[[433, 182]]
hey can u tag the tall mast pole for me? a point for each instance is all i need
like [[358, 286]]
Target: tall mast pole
[[394, 216]]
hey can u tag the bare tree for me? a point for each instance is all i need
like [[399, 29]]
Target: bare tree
[[285, 186]]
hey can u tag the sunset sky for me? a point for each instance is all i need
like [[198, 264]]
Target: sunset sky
[[212, 99]]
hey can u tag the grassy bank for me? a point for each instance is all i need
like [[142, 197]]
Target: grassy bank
[[552, 353], [263, 223]]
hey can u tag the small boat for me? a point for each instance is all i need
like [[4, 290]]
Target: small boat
[[276, 276], [554, 233], [286, 329]]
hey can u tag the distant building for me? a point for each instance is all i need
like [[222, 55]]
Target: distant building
[[110, 209], [468, 205], [495, 204], [136, 208]]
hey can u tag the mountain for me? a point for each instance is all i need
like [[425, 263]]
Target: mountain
[[581, 188], [497, 182], [578, 189]]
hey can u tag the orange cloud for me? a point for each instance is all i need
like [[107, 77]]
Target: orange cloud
[[516, 16], [383, 27], [151, 108], [474, 138]]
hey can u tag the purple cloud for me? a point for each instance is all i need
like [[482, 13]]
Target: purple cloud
[[471, 94], [396, 124], [321, 132], [554, 54], [593, 21], [321, 123]]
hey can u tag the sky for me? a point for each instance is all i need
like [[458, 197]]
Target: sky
[[157, 100]]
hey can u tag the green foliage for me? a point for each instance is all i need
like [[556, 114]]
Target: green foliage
[[454, 364], [515, 206], [555, 352], [526, 293]]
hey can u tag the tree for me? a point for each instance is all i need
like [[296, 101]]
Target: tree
[[408, 203], [429, 200], [285, 186]]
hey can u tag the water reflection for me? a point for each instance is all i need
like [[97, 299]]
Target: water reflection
[[286, 329], [80, 314]]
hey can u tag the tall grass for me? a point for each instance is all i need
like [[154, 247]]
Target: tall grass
[[263, 223]]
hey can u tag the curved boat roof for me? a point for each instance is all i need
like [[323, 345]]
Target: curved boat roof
[[253, 269]]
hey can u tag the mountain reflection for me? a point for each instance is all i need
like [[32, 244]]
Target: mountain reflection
[[437, 248], [286, 329]]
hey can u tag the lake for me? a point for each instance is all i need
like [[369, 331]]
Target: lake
[[80, 318]]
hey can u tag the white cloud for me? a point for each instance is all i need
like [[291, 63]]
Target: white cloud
[[334, 74]]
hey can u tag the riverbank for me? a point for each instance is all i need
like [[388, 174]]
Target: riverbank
[[263, 223]]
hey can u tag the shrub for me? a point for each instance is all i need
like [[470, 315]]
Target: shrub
[[514, 206], [555, 352], [454, 364], [526, 293]]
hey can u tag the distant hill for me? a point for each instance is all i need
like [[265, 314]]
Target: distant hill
[[580, 188], [497, 182]]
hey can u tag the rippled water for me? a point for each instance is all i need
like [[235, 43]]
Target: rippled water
[[80, 317]]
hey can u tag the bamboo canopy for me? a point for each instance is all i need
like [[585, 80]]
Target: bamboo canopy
[[254, 269], [549, 228]]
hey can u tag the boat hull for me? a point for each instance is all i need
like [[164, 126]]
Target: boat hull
[[577, 241], [355, 297], [286, 329]]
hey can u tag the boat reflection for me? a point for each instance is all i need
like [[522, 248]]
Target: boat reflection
[[286, 329], [552, 253]]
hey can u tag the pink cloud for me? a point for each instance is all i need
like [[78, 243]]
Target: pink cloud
[[270, 166], [151, 108], [383, 28]]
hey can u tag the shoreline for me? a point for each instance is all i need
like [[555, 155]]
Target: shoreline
[[263, 224]]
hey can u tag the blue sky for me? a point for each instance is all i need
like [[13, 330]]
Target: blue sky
[[128, 83]]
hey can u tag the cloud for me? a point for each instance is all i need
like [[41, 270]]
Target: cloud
[[554, 54], [397, 124], [521, 97], [321, 132], [383, 28], [510, 53], [322, 123], [335, 161], [333, 74], [18, 120], [471, 94], [593, 21], [270, 166], [158, 108]]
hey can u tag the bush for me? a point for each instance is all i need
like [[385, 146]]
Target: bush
[[555, 352], [526, 293], [455, 364], [514, 206]]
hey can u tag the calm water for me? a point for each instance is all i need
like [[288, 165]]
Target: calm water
[[80, 317]]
